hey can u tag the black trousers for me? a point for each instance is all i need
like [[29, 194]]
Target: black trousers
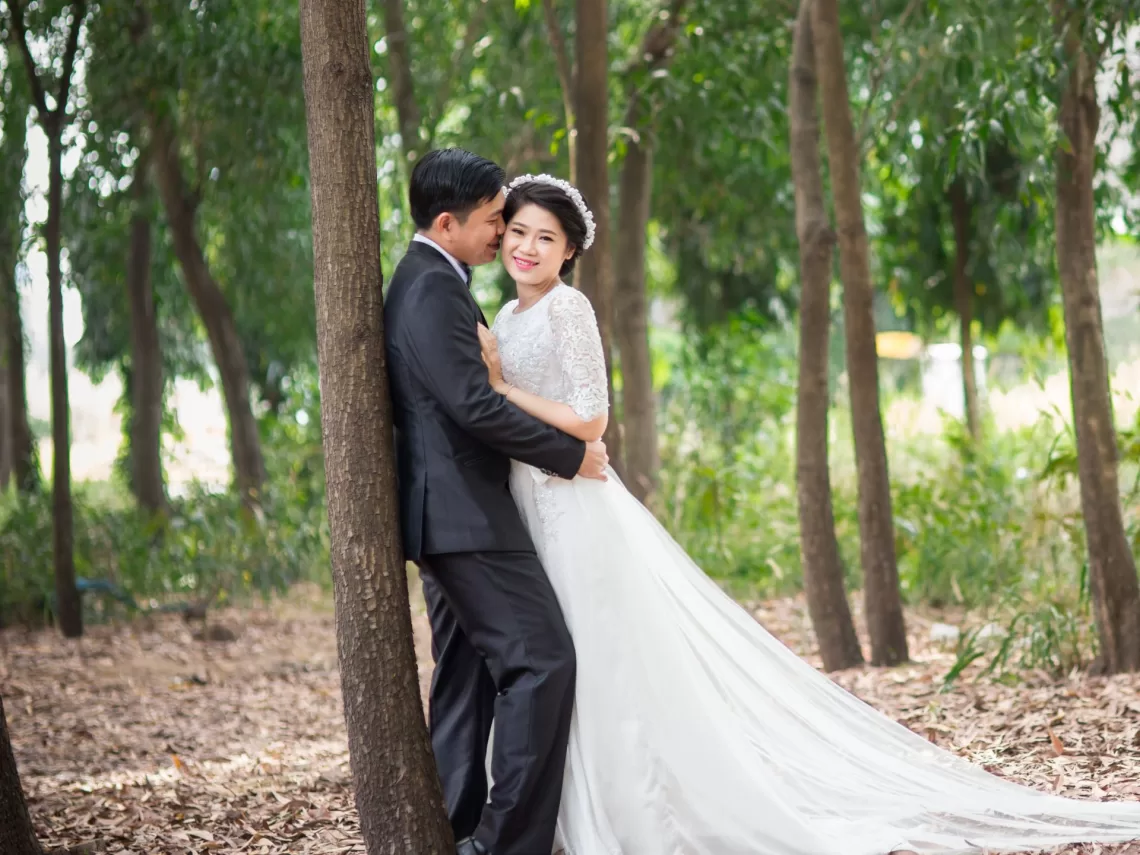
[[502, 652]]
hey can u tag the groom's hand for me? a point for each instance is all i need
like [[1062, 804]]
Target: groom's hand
[[594, 463]]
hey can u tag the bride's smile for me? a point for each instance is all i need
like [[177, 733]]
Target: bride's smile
[[535, 247]]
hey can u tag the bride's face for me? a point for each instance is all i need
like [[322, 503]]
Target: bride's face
[[535, 246]]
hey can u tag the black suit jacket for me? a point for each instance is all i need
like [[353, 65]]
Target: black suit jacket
[[455, 435]]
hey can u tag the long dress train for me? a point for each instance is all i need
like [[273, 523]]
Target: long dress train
[[695, 731]]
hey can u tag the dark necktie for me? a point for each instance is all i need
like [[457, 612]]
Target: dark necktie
[[466, 268]]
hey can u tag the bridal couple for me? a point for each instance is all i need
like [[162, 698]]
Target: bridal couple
[[635, 708]]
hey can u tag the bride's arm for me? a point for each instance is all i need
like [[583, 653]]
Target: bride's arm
[[579, 348], [555, 414]]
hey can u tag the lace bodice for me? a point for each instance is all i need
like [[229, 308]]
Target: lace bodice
[[553, 349]]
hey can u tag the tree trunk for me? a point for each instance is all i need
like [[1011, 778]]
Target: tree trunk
[[146, 356], [631, 299], [14, 427], [960, 211], [1112, 568], [400, 70], [245, 441], [631, 321], [885, 622], [595, 269], [397, 788], [25, 466], [823, 569], [67, 607], [5, 422], [566, 82], [16, 834]]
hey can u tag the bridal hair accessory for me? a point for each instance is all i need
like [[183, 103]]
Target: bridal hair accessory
[[567, 188]]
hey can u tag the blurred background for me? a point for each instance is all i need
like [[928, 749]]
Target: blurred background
[[186, 305]]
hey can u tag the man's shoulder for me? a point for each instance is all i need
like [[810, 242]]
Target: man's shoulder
[[416, 276]]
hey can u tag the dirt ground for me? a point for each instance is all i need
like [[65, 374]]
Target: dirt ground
[[144, 738]]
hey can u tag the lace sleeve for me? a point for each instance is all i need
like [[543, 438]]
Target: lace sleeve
[[579, 348]]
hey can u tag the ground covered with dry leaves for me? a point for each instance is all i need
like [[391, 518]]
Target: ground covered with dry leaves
[[150, 740]]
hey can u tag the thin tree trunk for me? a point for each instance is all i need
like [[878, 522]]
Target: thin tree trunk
[[14, 153], [16, 834], [1112, 568], [631, 321], [5, 422], [25, 466], [21, 457], [823, 570], [566, 82], [245, 441], [397, 788], [960, 211], [595, 269], [885, 622], [67, 607], [631, 298], [146, 355], [400, 70]]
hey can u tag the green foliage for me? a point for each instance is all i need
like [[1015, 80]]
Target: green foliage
[[208, 546], [964, 526], [230, 76], [728, 467], [989, 530]]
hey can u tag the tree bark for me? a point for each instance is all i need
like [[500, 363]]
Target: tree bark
[[146, 355], [13, 154], [961, 215], [631, 298], [400, 70], [397, 788], [565, 80], [23, 452], [823, 570], [5, 422], [885, 622], [595, 269], [53, 121], [67, 606], [1112, 568], [245, 441], [16, 834], [14, 424], [631, 321]]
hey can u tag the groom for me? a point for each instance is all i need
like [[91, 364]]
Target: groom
[[499, 641]]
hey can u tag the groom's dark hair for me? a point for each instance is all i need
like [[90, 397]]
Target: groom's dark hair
[[452, 180]]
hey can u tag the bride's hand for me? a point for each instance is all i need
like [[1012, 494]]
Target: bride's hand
[[490, 347]]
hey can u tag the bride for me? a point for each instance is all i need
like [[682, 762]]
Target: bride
[[696, 732]]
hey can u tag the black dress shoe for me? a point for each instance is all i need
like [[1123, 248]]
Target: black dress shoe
[[470, 846]]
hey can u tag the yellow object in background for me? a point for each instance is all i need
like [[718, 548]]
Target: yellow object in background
[[898, 345]]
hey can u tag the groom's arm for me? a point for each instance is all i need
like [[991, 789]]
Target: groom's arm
[[442, 347]]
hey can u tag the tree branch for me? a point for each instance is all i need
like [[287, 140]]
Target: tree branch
[[657, 46], [527, 149], [443, 95], [38, 94], [565, 78], [896, 108], [78, 13], [656, 51], [1112, 23], [881, 71]]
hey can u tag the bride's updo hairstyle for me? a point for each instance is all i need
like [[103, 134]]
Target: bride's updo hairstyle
[[562, 200]]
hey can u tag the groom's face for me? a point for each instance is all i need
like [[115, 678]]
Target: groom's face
[[476, 241]]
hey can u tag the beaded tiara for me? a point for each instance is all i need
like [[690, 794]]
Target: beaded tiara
[[570, 190]]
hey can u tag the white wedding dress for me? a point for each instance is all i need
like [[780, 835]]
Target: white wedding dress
[[695, 731]]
